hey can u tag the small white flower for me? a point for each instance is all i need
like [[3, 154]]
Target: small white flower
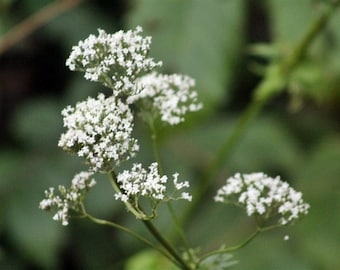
[[186, 196], [139, 182], [286, 237], [114, 60], [69, 198], [264, 196], [100, 131], [168, 96]]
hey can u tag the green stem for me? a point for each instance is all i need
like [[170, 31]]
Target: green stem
[[133, 210], [154, 140], [178, 227], [316, 27], [126, 230], [230, 249], [170, 208], [274, 81], [153, 230], [239, 246]]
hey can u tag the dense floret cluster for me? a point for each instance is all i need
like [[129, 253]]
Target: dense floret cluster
[[115, 60], [100, 131], [139, 182], [167, 96], [264, 196]]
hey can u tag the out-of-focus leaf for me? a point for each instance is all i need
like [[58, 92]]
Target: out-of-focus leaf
[[289, 19], [77, 24], [32, 232], [8, 164], [218, 262], [196, 37], [257, 151], [318, 78], [38, 123], [333, 37], [319, 178], [270, 251], [149, 259]]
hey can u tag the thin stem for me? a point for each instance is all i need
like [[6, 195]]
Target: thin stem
[[154, 140], [29, 25], [170, 208], [126, 230], [316, 27], [133, 210], [178, 227], [230, 249], [153, 230]]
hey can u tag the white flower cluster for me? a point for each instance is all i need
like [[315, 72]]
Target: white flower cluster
[[100, 131], [70, 198], [170, 96], [138, 182], [264, 196], [114, 60]]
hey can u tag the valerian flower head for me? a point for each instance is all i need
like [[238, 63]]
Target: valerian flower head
[[69, 199], [168, 96], [263, 196], [100, 131], [139, 182], [114, 60]]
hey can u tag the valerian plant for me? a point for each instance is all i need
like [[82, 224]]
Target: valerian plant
[[100, 131]]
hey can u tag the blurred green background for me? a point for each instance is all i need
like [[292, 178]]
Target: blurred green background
[[295, 136]]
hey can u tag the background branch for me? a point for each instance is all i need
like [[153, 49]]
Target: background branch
[[33, 22]]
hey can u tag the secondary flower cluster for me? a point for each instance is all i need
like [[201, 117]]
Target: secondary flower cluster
[[100, 131], [114, 60], [167, 96], [138, 182], [264, 196], [70, 198]]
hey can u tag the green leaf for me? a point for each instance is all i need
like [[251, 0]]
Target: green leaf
[[196, 37], [289, 19], [149, 259]]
